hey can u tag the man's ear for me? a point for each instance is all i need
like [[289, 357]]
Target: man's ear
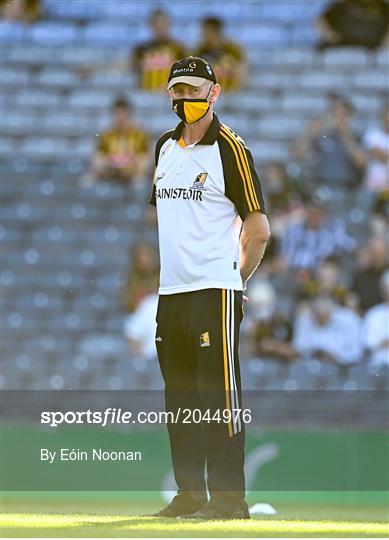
[[215, 92]]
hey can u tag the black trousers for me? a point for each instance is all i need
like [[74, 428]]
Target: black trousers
[[197, 341]]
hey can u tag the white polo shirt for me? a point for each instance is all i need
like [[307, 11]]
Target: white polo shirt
[[202, 192]]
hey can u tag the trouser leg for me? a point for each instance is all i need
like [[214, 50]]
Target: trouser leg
[[177, 364], [215, 323]]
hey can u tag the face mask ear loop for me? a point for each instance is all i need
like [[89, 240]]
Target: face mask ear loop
[[209, 91]]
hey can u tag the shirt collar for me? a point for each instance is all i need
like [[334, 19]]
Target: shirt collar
[[209, 137]]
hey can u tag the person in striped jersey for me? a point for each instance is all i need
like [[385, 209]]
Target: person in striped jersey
[[213, 231], [152, 59], [122, 153]]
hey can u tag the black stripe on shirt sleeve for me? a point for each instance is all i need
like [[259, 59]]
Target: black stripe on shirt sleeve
[[242, 184]]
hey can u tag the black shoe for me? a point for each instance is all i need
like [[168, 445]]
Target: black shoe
[[180, 506], [211, 513]]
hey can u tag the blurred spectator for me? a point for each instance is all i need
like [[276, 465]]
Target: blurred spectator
[[283, 199], [339, 157], [152, 60], [226, 57], [20, 11], [304, 158], [375, 328], [143, 275], [360, 23], [268, 332], [122, 154], [326, 281], [376, 142], [328, 332], [316, 237], [140, 326], [282, 192], [373, 262]]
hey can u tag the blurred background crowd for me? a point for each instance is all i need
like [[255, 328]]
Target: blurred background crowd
[[83, 102]]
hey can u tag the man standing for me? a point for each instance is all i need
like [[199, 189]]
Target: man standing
[[212, 236]]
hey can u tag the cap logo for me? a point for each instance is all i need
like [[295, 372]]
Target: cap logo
[[208, 68], [193, 65], [182, 70]]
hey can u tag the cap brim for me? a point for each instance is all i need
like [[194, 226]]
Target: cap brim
[[193, 81]]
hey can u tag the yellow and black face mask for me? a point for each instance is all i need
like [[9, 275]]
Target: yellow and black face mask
[[191, 110]]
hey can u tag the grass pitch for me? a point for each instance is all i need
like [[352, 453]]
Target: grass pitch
[[122, 520]]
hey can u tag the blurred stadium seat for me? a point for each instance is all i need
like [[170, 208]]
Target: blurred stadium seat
[[53, 34]]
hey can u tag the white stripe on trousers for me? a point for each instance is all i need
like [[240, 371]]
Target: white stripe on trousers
[[230, 327]]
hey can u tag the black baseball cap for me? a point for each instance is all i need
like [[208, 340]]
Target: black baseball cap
[[191, 70]]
